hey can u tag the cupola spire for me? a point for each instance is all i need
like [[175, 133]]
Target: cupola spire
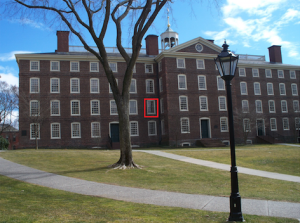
[[169, 38]]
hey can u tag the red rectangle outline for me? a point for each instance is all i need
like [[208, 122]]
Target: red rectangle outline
[[157, 107]]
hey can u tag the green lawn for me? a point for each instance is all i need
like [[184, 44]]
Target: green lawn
[[22, 202], [158, 173]]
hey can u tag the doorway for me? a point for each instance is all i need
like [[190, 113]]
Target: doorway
[[204, 123], [114, 132], [260, 127]]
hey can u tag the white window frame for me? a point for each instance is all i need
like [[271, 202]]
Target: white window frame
[[246, 125], [224, 123], [185, 128], [159, 66], [270, 106], [93, 89], [201, 83], [220, 100], [149, 68], [155, 129], [151, 107], [294, 89], [113, 66], [220, 84], [71, 86], [256, 86], [292, 74], [71, 105], [206, 103], [92, 107], [109, 87], [92, 66], [285, 127], [280, 73], [242, 86], [113, 107], [51, 108], [255, 72], [242, 72], [282, 91], [162, 125], [31, 85], [136, 123], [268, 73], [202, 65], [296, 106], [52, 85], [32, 67], [182, 85], [71, 66], [270, 89], [179, 63], [136, 107], [245, 102], [284, 106], [273, 126], [160, 85], [73, 131], [162, 110], [148, 86], [95, 128], [57, 130], [133, 84], [183, 104], [257, 102], [51, 66], [32, 134], [297, 123], [37, 113]]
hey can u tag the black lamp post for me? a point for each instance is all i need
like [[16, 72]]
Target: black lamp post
[[226, 63]]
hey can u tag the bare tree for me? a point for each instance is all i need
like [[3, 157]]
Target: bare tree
[[8, 104]]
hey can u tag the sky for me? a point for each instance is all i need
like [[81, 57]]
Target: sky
[[249, 27]]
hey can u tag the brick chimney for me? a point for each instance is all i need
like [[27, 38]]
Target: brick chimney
[[62, 41], [275, 54], [152, 45]]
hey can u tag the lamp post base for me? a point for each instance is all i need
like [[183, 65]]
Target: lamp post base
[[235, 208]]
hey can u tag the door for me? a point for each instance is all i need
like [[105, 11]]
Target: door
[[260, 127], [114, 132], [204, 129]]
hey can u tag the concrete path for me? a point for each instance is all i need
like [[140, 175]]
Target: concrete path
[[162, 198], [226, 167]]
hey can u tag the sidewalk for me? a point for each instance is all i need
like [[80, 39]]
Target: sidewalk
[[145, 196]]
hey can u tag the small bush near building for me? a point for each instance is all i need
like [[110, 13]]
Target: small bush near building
[[3, 143]]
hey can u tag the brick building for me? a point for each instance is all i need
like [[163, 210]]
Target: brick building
[[177, 96]]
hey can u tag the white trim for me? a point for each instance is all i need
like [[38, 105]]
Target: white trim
[[135, 87], [226, 122], [185, 82], [98, 85], [243, 82], [116, 67], [30, 85], [149, 92], [282, 106], [224, 97], [282, 84], [270, 106], [203, 89], [259, 91], [72, 107], [54, 92], [137, 128], [38, 65], [58, 65], [187, 104], [92, 136], [296, 89], [97, 66], [275, 129], [79, 125], [206, 103], [272, 87], [288, 122], [51, 130], [260, 101], [266, 73], [110, 107], [91, 106], [154, 128], [38, 109], [241, 73], [74, 92], [51, 114], [149, 70], [136, 107], [209, 127], [279, 72], [183, 59], [39, 131], [71, 70], [198, 64], [255, 72]]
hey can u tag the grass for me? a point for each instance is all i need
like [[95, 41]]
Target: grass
[[158, 173], [23, 202], [273, 158]]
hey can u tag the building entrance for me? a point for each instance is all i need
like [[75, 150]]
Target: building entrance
[[204, 128], [114, 132]]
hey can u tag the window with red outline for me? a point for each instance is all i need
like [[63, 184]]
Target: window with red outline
[[145, 108]]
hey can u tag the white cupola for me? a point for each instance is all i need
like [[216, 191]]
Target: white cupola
[[169, 38]]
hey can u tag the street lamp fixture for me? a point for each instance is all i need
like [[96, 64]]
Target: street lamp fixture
[[226, 63]]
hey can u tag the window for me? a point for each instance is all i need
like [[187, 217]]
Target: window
[[257, 88], [113, 67], [292, 74], [242, 72], [282, 89], [185, 125], [243, 86], [75, 85], [221, 83], [246, 124], [34, 85], [294, 89], [200, 64], [223, 124], [162, 124], [285, 123], [113, 108], [34, 130], [149, 86], [245, 106], [94, 85], [75, 130], [296, 105], [95, 130], [95, 107], [255, 73], [151, 105], [297, 123], [110, 91], [272, 106], [34, 108], [183, 103], [160, 66], [280, 74], [180, 63], [54, 66], [203, 103], [273, 124], [162, 110], [54, 85], [34, 65], [148, 68], [160, 85], [258, 105], [222, 103], [284, 107], [133, 107], [182, 82], [270, 90], [55, 130], [74, 66], [55, 108], [94, 66], [134, 128], [75, 107], [268, 73], [201, 82], [134, 69], [133, 86], [151, 128]]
